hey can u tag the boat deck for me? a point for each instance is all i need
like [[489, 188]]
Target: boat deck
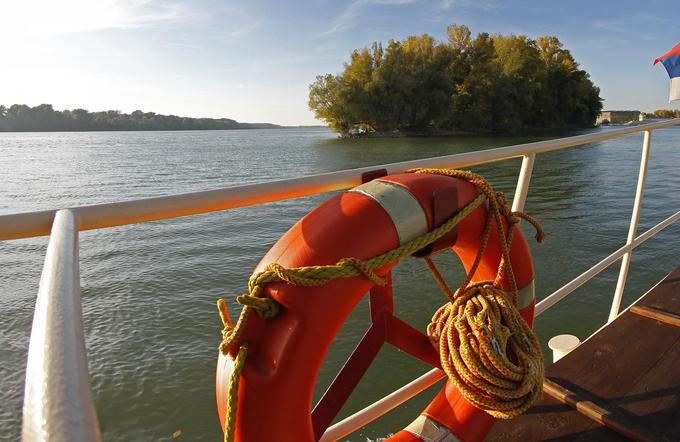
[[622, 383]]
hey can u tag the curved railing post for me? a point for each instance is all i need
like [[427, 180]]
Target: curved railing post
[[523, 181], [58, 402]]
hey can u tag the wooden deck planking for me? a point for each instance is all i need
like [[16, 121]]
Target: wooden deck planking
[[655, 398], [564, 423], [657, 314], [666, 295], [631, 368]]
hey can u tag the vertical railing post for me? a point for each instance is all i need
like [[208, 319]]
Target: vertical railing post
[[632, 230], [58, 402], [523, 182]]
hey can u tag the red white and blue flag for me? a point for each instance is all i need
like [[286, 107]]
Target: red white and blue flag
[[671, 61]]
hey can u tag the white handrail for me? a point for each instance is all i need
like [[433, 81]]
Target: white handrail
[[382, 406], [24, 225], [589, 274], [58, 403]]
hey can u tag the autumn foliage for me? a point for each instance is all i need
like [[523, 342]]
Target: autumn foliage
[[489, 83]]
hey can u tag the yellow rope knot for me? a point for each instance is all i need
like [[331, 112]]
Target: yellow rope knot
[[313, 276], [228, 326], [364, 269], [275, 272], [266, 308]]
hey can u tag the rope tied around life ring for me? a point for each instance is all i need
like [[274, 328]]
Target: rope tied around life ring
[[486, 348]]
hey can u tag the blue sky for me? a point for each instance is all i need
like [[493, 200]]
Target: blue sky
[[253, 60]]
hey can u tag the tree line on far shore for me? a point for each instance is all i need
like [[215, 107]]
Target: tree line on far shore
[[19, 117], [664, 113], [486, 84]]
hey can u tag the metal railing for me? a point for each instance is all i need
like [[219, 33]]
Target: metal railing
[[58, 400]]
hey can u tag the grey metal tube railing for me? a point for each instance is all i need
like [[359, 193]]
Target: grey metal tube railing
[[598, 268], [632, 228], [58, 402]]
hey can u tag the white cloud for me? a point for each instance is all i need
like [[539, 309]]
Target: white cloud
[[625, 23], [445, 5], [347, 19], [247, 28], [35, 18]]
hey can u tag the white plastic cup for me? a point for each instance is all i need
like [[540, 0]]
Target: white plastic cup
[[561, 345]]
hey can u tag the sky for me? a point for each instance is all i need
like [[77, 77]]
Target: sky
[[253, 60]]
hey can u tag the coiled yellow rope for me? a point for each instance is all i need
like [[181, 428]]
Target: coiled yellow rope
[[486, 348], [475, 356], [488, 351]]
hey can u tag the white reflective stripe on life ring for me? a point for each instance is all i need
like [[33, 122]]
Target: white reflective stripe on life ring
[[526, 295], [403, 208], [429, 430]]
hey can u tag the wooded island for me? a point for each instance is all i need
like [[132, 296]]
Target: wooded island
[[486, 84]]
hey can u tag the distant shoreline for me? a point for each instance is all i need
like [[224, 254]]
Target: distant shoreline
[[44, 118], [435, 133], [5, 131]]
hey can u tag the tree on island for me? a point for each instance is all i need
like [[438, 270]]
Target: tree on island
[[19, 117], [490, 83], [666, 113]]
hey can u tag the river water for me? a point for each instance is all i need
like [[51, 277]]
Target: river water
[[149, 290]]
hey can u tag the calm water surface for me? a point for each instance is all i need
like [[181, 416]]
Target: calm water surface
[[149, 290]]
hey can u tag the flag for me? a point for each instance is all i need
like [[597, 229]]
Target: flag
[[671, 61]]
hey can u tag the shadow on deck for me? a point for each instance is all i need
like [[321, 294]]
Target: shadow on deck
[[622, 383]]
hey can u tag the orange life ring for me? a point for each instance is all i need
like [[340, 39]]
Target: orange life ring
[[286, 352]]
